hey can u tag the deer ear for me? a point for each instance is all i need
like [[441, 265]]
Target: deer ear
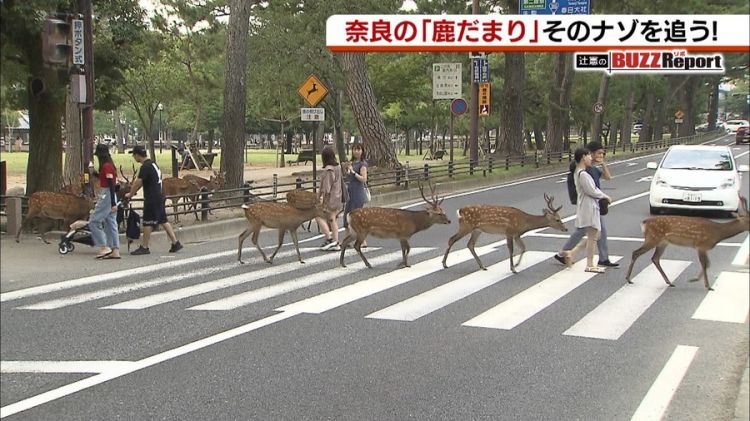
[[545, 211]]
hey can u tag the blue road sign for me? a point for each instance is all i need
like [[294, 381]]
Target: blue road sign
[[554, 7], [459, 106], [481, 70]]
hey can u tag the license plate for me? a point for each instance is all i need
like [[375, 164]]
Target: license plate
[[692, 197]]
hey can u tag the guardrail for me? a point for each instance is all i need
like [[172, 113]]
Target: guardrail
[[390, 180]]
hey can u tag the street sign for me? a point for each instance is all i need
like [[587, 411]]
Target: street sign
[[554, 7], [679, 114], [312, 90], [459, 106], [598, 107], [78, 45], [678, 121], [484, 99], [312, 114], [480, 70], [446, 80]]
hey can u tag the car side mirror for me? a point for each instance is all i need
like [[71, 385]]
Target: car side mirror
[[652, 165], [743, 168]]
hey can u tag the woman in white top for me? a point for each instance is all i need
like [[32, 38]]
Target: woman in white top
[[587, 209]]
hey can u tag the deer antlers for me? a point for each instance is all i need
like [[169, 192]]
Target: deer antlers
[[434, 202], [549, 200], [122, 173]]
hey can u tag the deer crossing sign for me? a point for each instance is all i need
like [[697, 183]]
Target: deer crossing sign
[[312, 90]]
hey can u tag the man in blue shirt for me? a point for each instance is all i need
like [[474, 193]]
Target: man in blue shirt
[[597, 171]]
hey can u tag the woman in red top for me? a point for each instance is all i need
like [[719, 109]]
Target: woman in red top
[[103, 221]]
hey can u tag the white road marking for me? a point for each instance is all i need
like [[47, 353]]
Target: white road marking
[[252, 275], [264, 293], [628, 239], [128, 273], [655, 403], [61, 366], [439, 297], [522, 306], [614, 316], [743, 254], [742, 154], [645, 179], [729, 302], [135, 286], [631, 164], [88, 382]]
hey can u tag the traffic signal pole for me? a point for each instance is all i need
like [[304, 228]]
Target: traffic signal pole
[[87, 109]]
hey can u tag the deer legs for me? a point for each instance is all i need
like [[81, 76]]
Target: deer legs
[[470, 245], [357, 246], [520, 256], [655, 259], [405, 248], [463, 230], [281, 241], [255, 229], [293, 233], [703, 258]]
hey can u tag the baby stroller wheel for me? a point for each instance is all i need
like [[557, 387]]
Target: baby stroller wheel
[[71, 247], [63, 248]]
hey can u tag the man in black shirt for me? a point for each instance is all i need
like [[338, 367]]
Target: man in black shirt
[[149, 176]]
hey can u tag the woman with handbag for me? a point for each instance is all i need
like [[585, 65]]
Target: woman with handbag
[[587, 209], [357, 185]]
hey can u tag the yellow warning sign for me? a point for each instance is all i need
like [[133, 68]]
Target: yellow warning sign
[[312, 90], [679, 114], [484, 99]]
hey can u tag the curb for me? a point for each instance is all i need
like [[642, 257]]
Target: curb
[[742, 407]]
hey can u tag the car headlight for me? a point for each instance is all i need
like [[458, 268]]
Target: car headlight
[[728, 183]]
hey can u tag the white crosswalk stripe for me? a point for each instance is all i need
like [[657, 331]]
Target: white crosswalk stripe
[[526, 304], [434, 299], [728, 302], [261, 294], [614, 316]]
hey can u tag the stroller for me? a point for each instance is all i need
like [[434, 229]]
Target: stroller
[[80, 233]]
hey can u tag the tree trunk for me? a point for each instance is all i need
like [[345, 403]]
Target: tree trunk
[[338, 126], [211, 136], [511, 108], [379, 148], [713, 107], [613, 134], [559, 101], [121, 134], [46, 109], [647, 130], [596, 127], [73, 169], [687, 105], [627, 123], [233, 138], [539, 137]]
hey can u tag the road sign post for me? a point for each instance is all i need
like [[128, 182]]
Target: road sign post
[[313, 91], [446, 80]]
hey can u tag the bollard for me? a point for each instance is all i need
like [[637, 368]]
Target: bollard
[[298, 183], [248, 197], [489, 164], [426, 172], [275, 185], [398, 176], [507, 162], [536, 159], [523, 160], [205, 204], [471, 167], [13, 215], [406, 176], [450, 169]]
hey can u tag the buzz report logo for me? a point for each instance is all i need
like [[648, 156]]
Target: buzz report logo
[[650, 62]]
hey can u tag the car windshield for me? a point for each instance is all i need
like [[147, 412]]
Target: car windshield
[[698, 159]]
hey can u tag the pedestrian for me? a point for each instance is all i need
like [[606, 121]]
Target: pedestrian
[[103, 220], [357, 175], [330, 197], [597, 171], [587, 209], [149, 177]]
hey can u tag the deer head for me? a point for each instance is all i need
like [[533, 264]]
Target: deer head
[[435, 212], [125, 187], [552, 215], [217, 181]]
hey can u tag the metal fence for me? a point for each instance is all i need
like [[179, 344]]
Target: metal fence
[[401, 178]]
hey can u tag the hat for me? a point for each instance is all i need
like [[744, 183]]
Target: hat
[[101, 150], [138, 150]]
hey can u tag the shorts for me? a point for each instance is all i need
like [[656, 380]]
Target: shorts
[[153, 214]]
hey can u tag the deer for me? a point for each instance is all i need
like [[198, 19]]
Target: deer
[[215, 182], [503, 220], [701, 234], [282, 216], [56, 206], [72, 188], [399, 224], [179, 188]]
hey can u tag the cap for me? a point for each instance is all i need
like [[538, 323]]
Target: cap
[[101, 150], [138, 150]]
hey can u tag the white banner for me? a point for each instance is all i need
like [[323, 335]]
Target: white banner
[[540, 33], [312, 114]]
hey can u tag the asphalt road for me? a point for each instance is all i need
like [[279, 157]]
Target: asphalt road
[[199, 336]]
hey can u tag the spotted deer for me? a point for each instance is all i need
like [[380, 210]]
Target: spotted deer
[[215, 182], [702, 234], [502, 220], [125, 187], [400, 224], [281, 216], [56, 206], [176, 189]]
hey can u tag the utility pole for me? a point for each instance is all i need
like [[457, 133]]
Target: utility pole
[[87, 109], [474, 104]]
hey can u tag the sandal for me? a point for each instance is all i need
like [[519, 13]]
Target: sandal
[[103, 255], [595, 269]]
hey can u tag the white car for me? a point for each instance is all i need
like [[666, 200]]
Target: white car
[[696, 177], [733, 125]]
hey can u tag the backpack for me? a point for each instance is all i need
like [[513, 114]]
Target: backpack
[[344, 190], [572, 193], [133, 226]]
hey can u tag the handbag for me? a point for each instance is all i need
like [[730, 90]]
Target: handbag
[[368, 195], [603, 206]]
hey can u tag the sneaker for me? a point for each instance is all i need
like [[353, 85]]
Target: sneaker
[[608, 264], [175, 247], [560, 259], [327, 244], [140, 251], [334, 247]]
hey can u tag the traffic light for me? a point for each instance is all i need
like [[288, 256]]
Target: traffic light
[[56, 42]]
